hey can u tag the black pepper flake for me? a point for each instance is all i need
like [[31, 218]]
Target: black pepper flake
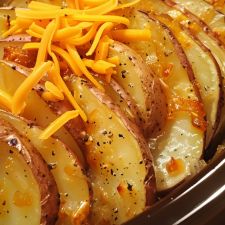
[[13, 142], [121, 135], [4, 202], [129, 187], [52, 166], [123, 72], [141, 162], [98, 143], [11, 151], [53, 153]]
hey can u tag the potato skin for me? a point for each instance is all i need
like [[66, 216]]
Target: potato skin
[[153, 112], [49, 196]]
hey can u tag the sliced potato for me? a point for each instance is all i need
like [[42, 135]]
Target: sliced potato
[[206, 13], [119, 160], [207, 75], [167, 59], [20, 193], [137, 79], [32, 198], [36, 110], [217, 5], [71, 182]]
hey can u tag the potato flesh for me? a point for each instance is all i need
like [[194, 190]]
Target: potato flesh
[[179, 138], [36, 110], [71, 182], [207, 13], [19, 191], [207, 76], [159, 54], [145, 89], [117, 171]]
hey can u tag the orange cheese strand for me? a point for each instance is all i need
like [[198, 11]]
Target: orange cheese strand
[[76, 57], [58, 123], [5, 99], [128, 35], [102, 48], [62, 53], [99, 66], [85, 38], [33, 33], [23, 90], [41, 6], [54, 90], [12, 30], [42, 52], [126, 5], [92, 3], [105, 27], [114, 59], [66, 56], [57, 79]]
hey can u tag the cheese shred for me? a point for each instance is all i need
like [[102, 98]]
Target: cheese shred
[[74, 38], [58, 123]]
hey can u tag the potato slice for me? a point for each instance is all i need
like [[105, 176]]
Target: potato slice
[[68, 173], [28, 190], [207, 75], [119, 160], [139, 82], [217, 5], [168, 60], [206, 13], [36, 110]]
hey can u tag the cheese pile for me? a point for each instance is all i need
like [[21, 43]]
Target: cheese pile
[[79, 33]]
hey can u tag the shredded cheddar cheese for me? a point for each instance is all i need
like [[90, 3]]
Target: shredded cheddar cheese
[[58, 123], [5, 99], [77, 35], [21, 93], [54, 90]]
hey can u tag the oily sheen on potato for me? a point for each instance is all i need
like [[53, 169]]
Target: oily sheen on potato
[[119, 160], [162, 53], [148, 108], [21, 199], [71, 182]]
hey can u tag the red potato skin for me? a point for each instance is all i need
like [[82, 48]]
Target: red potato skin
[[153, 119], [49, 196]]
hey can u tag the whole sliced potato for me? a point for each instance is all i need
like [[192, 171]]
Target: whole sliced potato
[[143, 86], [66, 169], [119, 159], [36, 110], [28, 190], [167, 59]]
